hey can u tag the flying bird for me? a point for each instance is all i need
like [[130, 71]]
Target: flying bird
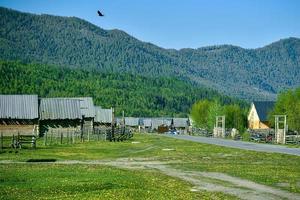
[[100, 14]]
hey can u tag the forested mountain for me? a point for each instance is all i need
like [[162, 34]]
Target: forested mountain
[[72, 42], [136, 95]]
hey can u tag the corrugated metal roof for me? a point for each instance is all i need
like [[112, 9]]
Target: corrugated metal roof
[[103, 115], [156, 122], [118, 120], [60, 108], [180, 122], [147, 122], [86, 106], [19, 106], [131, 121], [263, 108]]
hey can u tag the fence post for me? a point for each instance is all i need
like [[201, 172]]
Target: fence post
[[1, 141], [13, 141], [45, 139], [61, 138], [67, 137]]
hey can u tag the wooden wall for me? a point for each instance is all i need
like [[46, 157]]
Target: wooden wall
[[254, 122], [9, 127], [61, 126]]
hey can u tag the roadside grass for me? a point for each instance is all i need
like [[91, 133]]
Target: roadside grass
[[44, 181], [277, 170]]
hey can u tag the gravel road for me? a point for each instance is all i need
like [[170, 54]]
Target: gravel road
[[240, 144]]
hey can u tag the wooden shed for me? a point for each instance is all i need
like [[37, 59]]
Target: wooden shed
[[181, 124], [60, 115], [87, 112], [103, 117], [258, 114], [146, 124], [132, 122], [161, 124], [19, 114]]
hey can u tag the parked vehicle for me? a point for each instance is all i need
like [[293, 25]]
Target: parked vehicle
[[258, 138], [173, 132]]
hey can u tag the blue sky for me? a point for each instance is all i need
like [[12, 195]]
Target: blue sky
[[182, 23]]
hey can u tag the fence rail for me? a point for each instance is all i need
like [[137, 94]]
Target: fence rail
[[63, 136]]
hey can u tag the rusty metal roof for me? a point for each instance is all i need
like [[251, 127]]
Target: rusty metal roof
[[19, 106]]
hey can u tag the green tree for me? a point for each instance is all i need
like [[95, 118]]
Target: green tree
[[199, 113], [235, 117], [214, 110], [288, 103]]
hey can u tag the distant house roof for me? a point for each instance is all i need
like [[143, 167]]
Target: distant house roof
[[103, 115], [19, 106], [147, 122], [131, 121], [118, 120], [180, 122], [86, 106], [156, 122], [60, 108], [263, 108]]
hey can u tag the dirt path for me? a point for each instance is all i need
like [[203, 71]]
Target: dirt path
[[210, 181]]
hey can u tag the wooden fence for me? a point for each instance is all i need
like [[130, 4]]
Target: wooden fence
[[65, 136]]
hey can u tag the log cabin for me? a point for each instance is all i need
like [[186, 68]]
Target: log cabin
[[19, 115], [60, 115]]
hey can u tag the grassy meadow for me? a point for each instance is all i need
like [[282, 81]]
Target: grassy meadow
[[80, 181]]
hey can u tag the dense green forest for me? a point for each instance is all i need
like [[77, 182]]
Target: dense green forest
[[136, 95], [252, 74]]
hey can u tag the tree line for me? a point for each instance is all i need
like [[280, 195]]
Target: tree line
[[288, 103], [137, 95], [204, 112]]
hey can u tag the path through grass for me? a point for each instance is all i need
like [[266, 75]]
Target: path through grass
[[276, 170]]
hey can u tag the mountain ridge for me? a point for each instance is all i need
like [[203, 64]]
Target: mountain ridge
[[70, 41]]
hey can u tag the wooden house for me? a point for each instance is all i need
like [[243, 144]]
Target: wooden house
[[103, 119], [19, 114], [87, 113], [180, 124], [132, 122], [60, 115], [161, 124], [258, 114], [146, 124], [103, 116]]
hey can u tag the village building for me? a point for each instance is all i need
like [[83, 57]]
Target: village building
[[161, 125], [132, 122], [103, 116], [60, 115], [87, 113], [19, 115], [258, 114], [146, 124], [181, 125]]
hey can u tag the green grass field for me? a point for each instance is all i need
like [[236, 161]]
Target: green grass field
[[94, 181]]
